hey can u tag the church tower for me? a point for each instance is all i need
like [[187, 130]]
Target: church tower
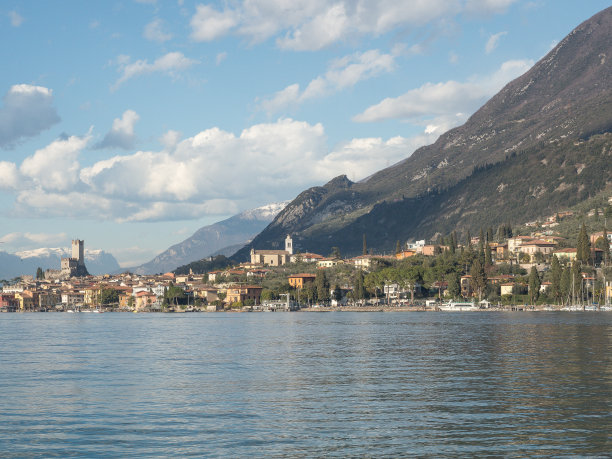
[[289, 245]]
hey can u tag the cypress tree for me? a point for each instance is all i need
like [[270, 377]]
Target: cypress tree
[[606, 247], [453, 245], [365, 246], [555, 269], [534, 285], [566, 284], [322, 285], [488, 257], [479, 278], [576, 281], [583, 247], [397, 247], [490, 234]]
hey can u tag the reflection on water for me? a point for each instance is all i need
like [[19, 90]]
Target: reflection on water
[[306, 384]]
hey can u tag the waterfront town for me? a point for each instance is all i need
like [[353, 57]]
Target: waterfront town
[[539, 270]]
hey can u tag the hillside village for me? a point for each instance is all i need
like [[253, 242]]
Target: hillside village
[[529, 266]]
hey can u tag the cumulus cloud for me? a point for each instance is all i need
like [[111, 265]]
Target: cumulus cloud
[[28, 110], [154, 31], [308, 25], [170, 63], [122, 133], [343, 73], [16, 18], [214, 172], [208, 23], [444, 99], [9, 175], [493, 41], [55, 167]]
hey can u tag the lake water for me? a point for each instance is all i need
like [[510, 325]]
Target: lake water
[[305, 384]]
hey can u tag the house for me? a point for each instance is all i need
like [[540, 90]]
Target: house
[[242, 293], [301, 280], [145, 300], [209, 294], [305, 257], [537, 246], [545, 286], [466, 285], [599, 234], [405, 254], [569, 254], [328, 262], [515, 242], [363, 261], [506, 289]]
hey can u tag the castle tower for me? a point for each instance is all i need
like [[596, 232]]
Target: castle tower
[[78, 251], [289, 245]]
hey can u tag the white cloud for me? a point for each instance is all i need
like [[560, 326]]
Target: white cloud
[[154, 31], [481, 7], [493, 41], [309, 25], [28, 110], [55, 167], [214, 172], [444, 99], [208, 24], [9, 175], [122, 133], [343, 73], [33, 240], [16, 18], [169, 63], [170, 140]]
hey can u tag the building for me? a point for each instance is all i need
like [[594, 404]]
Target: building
[[305, 257], [273, 257], [243, 293], [301, 280], [569, 254], [74, 266], [596, 236]]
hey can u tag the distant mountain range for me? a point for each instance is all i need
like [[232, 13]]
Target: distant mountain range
[[27, 262], [543, 143], [222, 238]]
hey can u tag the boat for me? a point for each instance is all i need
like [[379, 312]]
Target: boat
[[458, 306]]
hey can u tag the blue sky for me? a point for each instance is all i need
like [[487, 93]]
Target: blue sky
[[131, 124]]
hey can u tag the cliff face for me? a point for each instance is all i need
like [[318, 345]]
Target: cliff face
[[565, 99]]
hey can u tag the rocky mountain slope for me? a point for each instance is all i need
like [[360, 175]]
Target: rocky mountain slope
[[559, 111], [224, 237]]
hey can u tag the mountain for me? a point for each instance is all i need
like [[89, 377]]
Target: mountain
[[223, 237], [26, 262], [541, 143]]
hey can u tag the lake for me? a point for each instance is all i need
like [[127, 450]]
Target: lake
[[306, 384]]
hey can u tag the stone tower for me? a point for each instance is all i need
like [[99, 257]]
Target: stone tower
[[78, 251], [289, 245]]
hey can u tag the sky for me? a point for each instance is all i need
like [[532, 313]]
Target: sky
[[132, 123]]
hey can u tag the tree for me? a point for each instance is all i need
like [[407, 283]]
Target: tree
[[583, 246], [488, 257], [556, 272], [337, 294], [365, 245], [335, 253], [397, 247], [566, 284], [479, 278], [359, 288], [322, 286], [490, 235], [109, 296], [534, 285], [40, 273], [174, 293], [454, 284], [453, 244], [576, 280]]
